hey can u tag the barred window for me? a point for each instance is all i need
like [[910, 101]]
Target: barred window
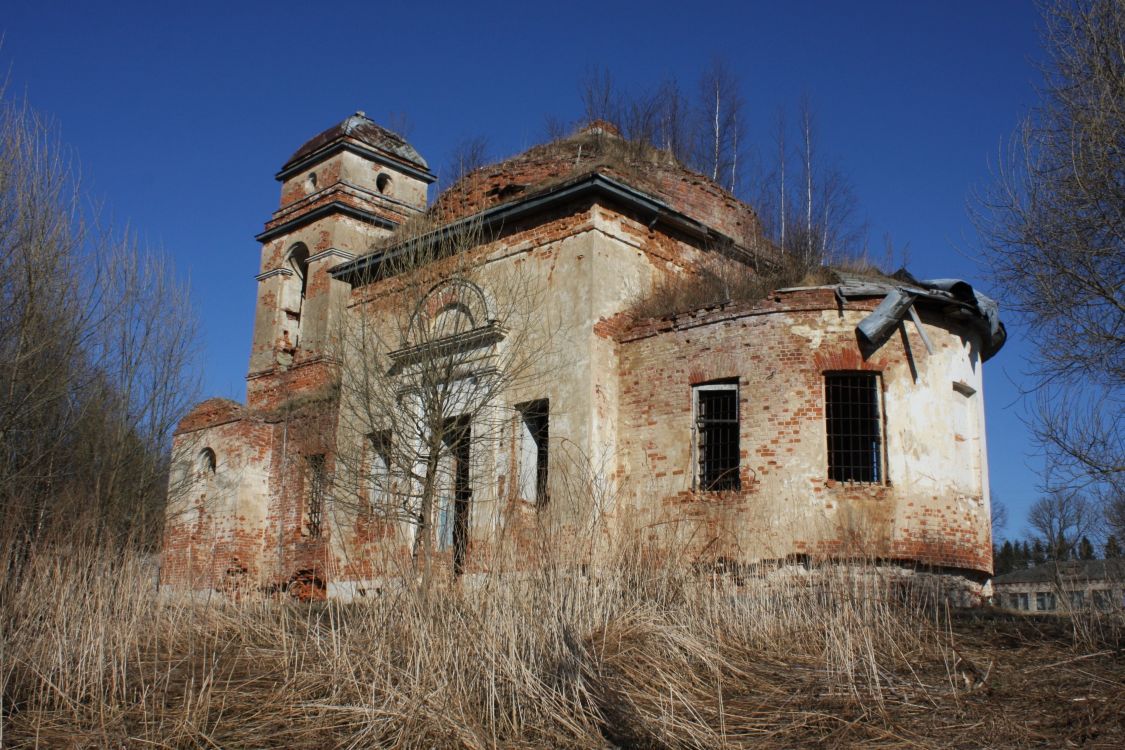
[[853, 423], [314, 510], [716, 425]]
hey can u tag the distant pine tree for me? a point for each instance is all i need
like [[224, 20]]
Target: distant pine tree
[[1005, 560], [1112, 548], [1086, 550], [1038, 553], [1061, 550]]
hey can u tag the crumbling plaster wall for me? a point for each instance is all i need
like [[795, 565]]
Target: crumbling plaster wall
[[931, 508], [354, 180], [215, 520], [288, 327], [569, 273]]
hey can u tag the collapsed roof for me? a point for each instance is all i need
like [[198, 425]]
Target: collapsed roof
[[600, 149], [900, 292]]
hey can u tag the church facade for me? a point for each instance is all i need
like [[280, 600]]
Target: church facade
[[469, 382]]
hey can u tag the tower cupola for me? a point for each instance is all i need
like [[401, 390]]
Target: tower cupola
[[341, 191]]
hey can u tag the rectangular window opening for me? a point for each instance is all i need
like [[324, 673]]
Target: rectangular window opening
[[853, 423], [379, 472], [717, 436], [314, 510], [534, 452]]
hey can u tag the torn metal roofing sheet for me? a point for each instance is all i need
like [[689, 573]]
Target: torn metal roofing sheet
[[901, 291]]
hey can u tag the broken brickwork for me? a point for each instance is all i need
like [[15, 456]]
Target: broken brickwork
[[705, 435]]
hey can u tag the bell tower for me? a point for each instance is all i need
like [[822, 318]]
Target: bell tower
[[343, 190]]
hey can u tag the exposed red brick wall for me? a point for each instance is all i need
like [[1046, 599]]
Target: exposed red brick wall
[[781, 383], [649, 170], [292, 405]]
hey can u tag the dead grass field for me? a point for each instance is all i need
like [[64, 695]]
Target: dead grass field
[[637, 657]]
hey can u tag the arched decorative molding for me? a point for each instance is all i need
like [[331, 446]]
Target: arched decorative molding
[[450, 308], [452, 319]]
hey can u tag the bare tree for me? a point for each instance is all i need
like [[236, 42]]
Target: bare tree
[[1053, 230], [600, 99], [468, 155], [93, 358], [708, 136], [812, 216], [1060, 520], [429, 362], [999, 515], [722, 125], [1114, 505], [781, 187], [674, 128], [143, 348], [811, 250]]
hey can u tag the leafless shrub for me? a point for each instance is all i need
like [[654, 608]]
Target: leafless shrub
[[429, 359], [1053, 231], [94, 355]]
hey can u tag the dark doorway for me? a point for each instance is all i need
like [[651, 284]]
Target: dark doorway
[[458, 439]]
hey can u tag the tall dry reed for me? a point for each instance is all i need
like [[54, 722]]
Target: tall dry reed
[[638, 655]]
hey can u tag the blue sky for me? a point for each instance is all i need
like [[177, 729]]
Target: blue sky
[[180, 114]]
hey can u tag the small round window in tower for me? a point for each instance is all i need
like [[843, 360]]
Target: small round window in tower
[[310, 182], [383, 183]]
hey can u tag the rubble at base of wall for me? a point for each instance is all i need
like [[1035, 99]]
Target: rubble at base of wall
[[873, 582], [880, 582], [795, 575]]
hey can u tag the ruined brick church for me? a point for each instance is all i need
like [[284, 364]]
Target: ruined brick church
[[835, 419]]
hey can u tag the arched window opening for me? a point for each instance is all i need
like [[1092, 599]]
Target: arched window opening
[[299, 262], [207, 462]]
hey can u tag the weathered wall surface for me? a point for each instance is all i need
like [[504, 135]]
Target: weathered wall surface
[[933, 506], [620, 393], [214, 527]]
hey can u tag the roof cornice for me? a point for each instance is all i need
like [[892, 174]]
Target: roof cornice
[[335, 207], [591, 185]]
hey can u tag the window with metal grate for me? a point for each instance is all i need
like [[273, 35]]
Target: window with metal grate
[[717, 449], [317, 481], [854, 426]]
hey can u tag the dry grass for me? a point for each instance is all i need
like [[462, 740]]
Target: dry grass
[[728, 282], [639, 656]]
